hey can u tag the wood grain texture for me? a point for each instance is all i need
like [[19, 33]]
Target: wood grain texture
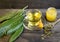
[[31, 3]]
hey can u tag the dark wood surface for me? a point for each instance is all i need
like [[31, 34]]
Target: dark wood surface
[[35, 36], [31, 3]]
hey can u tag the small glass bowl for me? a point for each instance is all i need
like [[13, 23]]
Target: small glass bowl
[[25, 24]]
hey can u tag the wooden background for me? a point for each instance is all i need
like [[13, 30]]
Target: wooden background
[[31, 3]]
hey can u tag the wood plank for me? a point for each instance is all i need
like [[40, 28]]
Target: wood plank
[[31, 3]]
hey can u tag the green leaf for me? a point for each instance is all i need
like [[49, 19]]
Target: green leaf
[[16, 34]]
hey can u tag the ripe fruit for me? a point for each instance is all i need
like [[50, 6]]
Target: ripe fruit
[[37, 15], [40, 24], [30, 16]]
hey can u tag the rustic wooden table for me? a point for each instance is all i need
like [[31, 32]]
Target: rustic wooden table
[[31, 3], [35, 36]]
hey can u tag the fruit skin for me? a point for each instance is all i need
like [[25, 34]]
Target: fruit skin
[[30, 16], [5, 26], [16, 25], [16, 34], [51, 14], [40, 24], [37, 15]]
